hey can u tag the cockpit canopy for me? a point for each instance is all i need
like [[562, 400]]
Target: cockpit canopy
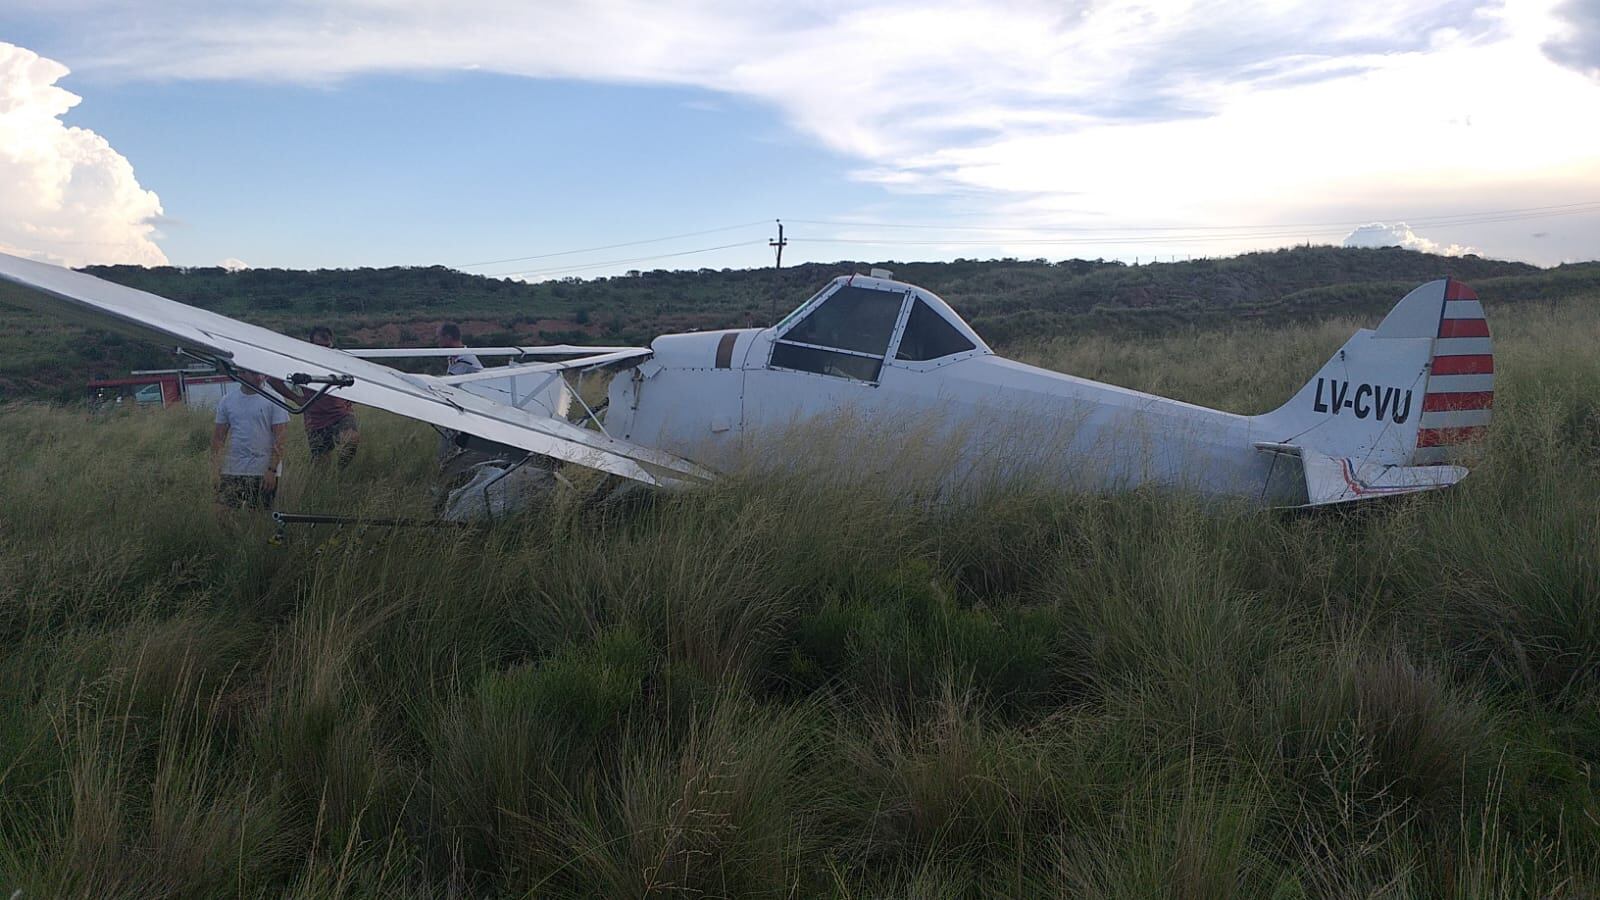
[[856, 325]]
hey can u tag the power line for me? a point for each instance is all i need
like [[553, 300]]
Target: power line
[[670, 237], [620, 262], [1061, 242], [1436, 221], [1164, 234], [1179, 238]]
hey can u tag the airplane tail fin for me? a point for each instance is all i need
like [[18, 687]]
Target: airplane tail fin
[[1417, 391]]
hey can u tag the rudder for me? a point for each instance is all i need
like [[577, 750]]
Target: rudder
[[1414, 391], [1459, 397]]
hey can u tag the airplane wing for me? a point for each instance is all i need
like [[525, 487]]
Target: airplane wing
[[538, 384], [206, 335], [531, 352], [585, 362]]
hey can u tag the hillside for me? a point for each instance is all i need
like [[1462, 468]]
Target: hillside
[[1006, 300]]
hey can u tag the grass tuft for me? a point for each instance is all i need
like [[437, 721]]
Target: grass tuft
[[802, 681]]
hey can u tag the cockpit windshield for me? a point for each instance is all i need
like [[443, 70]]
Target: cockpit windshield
[[853, 318], [851, 330]]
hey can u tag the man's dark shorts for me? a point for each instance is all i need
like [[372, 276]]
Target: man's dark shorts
[[324, 441], [244, 491]]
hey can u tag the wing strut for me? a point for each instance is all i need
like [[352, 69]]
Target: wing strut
[[298, 379]]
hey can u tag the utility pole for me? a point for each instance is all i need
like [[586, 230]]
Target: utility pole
[[779, 244]]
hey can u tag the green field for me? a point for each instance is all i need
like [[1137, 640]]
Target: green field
[[778, 687]]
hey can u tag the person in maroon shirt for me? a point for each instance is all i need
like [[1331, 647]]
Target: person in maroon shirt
[[330, 421]]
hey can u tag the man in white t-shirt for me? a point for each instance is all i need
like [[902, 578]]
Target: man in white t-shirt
[[449, 335], [247, 447]]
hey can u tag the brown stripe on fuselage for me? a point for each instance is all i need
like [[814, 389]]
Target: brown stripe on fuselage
[[725, 349]]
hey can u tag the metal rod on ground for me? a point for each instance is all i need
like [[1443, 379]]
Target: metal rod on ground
[[288, 518]]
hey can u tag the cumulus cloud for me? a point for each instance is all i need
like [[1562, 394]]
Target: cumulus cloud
[[1057, 112], [234, 264], [65, 195], [1378, 234], [876, 78], [1577, 42]]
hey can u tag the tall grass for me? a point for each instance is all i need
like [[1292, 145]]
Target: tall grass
[[782, 687]]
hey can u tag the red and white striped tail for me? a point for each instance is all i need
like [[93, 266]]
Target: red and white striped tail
[[1460, 391]]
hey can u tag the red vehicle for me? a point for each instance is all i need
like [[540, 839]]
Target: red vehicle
[[198, 387]]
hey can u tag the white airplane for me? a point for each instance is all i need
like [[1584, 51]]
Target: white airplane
[[1389, 414]]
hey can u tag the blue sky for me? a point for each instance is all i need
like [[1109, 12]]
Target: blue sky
[[457, 168], [345, 133]]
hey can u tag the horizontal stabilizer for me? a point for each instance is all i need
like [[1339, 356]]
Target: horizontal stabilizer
[[1331, 479]]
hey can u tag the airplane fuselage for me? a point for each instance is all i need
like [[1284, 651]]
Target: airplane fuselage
[[716, 397], [907, 384]]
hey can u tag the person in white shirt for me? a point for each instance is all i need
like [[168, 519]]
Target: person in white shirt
[[449, 335], [247, 447], [465, 364]]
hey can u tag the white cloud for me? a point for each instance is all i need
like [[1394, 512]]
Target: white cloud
[[1049, 112], [1576, 40], [234, 264], [1378, 234], [65, 195]]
